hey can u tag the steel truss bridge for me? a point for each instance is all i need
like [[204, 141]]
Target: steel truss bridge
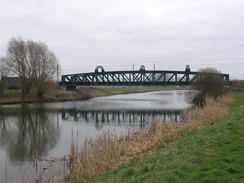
[[139, 77]]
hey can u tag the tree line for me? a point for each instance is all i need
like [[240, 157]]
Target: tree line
[[33, 62]]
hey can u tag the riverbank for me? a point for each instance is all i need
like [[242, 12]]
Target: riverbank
[[83, 93], [109, 152], [213, 153]]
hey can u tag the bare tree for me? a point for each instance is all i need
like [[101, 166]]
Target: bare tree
[[4, 71], [20, 63], [33, 62], [45, 69]]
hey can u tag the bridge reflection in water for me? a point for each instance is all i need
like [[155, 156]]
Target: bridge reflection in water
[[141, 118]]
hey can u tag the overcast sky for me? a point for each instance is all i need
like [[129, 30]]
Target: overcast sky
[[118, 33]]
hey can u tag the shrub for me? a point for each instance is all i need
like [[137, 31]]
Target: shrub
[[209, 83]]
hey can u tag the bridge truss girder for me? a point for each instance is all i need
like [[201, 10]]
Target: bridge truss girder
[[129, 78]]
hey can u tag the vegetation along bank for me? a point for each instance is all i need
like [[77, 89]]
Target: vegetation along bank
[[214, 153]]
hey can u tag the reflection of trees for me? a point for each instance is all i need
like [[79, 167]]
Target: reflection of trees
[[28, 133], [4, 135]]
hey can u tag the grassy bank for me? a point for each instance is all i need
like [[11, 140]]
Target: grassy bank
[[59, 95], [214, 153]]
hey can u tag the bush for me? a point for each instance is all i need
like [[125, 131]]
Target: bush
[[209, 83]]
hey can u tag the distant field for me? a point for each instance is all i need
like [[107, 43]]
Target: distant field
[[212, 154]]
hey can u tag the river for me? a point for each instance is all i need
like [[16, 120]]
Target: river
[[29, 132]]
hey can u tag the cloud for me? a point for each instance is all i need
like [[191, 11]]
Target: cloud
[[115, 33]]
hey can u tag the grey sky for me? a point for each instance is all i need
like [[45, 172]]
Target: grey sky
[[118, 33]]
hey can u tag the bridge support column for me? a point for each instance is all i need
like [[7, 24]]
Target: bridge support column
[[187, 71]]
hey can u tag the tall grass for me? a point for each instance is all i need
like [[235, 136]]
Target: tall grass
[[108, 151]]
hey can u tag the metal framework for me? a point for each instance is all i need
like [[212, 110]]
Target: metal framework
[[131, 78]]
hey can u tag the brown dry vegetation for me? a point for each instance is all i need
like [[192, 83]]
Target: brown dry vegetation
[[107, 151]]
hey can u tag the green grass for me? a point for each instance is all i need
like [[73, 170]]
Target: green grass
[[12, 93], [212, 154]]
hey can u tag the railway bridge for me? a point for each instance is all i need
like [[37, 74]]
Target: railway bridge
[[141, 77]]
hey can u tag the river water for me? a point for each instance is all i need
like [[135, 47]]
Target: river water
[[33, 131]]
